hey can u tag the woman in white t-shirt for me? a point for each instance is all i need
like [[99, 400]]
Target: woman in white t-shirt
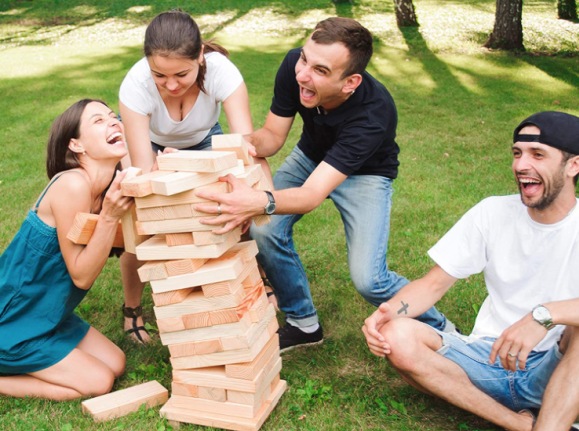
[[172, 98]]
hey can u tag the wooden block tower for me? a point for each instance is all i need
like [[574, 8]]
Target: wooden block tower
[[210, 304]]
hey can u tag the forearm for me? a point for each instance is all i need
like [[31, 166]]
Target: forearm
[[564, 312]]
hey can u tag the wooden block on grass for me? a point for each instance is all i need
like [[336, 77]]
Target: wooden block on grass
[[232, 142], [125, 401], [197, 161], [83, 227]]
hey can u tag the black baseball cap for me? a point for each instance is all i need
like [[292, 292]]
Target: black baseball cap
[[558, 129]]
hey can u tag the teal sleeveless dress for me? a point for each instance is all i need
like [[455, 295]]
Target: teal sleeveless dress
[[38, 327]]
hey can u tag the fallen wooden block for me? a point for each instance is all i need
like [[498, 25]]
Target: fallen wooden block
[[197, 161], [125, 401], [232, 142], [83, 227]]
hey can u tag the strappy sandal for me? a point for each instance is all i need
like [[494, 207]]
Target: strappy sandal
[[133, 313]]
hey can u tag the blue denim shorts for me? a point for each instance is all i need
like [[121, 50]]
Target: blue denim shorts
[[521, 389], [205, 144]]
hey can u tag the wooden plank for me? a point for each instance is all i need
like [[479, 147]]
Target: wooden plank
[[258, 397], [195, 348], [250, 370], [155, 248], [252, 175], [224, 357], [186, 197], [131, 237], [172, 297], [181, 238], [161, 269], [140, 186], [219, 420], [172, 226], [125, 401], [214, 270], [197, 161], [232, 142], [83, 227], [226, 287], [184, 389], [178, 182]]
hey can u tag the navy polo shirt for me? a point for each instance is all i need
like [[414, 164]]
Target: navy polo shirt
[[357, 138]]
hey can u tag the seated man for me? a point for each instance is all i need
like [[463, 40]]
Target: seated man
[[528, 252]]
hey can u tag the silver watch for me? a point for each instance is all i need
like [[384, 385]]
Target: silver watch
[[270, 207], [542, 316]]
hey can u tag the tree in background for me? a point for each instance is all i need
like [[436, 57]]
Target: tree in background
[[405, 13], [507, 33], [567, 9]]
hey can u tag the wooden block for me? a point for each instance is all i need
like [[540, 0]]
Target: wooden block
[[172, 297], [156, 270], [195, 348], [232, 142], [140, 186], [186, 197], [197, 161], [178, 182], [172, 226], [170, 212], [83, 227], [252, 175], [125, 401], [207, 237], [226, 287], [155, 248], [181, 238], [213, 394], [184, 389], [173, 412], [258, 397], [209, 333], [214, 270], [183, 266], [245, 354], [249, 370]]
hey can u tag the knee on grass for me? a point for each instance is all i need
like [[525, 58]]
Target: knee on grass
[[400, 334]]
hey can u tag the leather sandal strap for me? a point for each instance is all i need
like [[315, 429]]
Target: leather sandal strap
[[132, 312]]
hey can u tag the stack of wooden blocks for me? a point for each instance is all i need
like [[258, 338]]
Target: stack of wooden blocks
[[210, 304]]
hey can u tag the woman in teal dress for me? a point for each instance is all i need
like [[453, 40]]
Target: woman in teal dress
[[46, 351]]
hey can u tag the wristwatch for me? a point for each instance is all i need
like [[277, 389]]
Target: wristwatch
[[270, 207], [542, 316]]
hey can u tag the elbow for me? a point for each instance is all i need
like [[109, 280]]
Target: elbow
[[82, 282]]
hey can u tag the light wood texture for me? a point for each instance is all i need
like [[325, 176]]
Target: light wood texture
[[173, 412], [160, 269], [140, 186], [83, 227], [186, 197], [232, 142], [155, 248], [177, 225], [180, 181], [250, 370], [125, 401], [197, 161]]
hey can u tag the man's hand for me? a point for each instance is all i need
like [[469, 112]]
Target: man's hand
[[516, 342], [371, 329], [234, 208]]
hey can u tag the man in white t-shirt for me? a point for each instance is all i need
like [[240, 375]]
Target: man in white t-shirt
[[527, 247]]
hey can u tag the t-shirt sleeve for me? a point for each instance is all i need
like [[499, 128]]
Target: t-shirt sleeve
[[223, 77], [461, 252], [133, 92], [285, 99]]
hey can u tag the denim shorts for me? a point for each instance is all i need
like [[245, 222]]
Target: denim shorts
[[521, 389], [205, 144]]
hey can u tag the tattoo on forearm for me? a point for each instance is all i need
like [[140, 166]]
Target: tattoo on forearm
[[404, 308]]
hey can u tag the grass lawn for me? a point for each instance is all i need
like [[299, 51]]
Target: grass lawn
[[458, 105]]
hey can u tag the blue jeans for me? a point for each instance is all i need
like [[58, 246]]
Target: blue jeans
[[364, 203], [517, 390], [205, 144]]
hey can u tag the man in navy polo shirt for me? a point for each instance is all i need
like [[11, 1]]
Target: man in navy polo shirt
[[347, 152]]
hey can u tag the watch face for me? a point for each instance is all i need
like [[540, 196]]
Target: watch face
[[541, 314]]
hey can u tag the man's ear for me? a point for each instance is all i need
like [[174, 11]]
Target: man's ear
[[573, 166], [352, 82], [75, 146]]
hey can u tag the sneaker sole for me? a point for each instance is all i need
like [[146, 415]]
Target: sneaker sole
[[287, 349]]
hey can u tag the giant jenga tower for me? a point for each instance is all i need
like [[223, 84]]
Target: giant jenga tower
[[210, 304]]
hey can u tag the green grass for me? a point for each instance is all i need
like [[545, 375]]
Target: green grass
[[458, 105]]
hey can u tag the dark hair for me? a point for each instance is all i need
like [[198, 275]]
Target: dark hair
[[353, 35], [66, 127], [175, 33]]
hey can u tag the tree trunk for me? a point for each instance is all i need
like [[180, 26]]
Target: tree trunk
[[507, 33], [567, 9], [405, 13]]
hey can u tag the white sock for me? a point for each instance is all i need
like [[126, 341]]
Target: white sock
[[309, 329]]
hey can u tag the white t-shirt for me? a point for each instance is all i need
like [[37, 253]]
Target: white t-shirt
[[524, 263], [139, 93]]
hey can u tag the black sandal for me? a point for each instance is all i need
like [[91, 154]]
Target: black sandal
[[133, 313]]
